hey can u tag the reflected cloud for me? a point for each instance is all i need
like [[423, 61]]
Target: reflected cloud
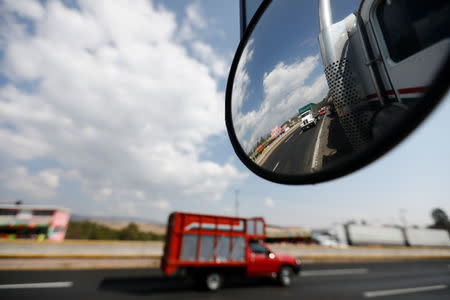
[[286, 88]]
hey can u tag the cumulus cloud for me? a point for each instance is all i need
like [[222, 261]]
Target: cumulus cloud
[[42, 185], [268, 202], [25, 8], [206, 54], [193, 21], [286, 88], [107, 92]]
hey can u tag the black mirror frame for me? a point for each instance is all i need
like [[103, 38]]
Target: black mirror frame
[[433, 96]]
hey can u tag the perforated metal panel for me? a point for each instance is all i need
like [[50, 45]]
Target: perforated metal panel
[[350, 102]]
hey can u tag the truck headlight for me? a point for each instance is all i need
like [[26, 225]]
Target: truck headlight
[[298, 261]]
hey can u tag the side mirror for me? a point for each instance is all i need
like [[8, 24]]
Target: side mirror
[[309, 100]]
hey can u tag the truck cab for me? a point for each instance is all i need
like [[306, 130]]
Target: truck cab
[[307, 120], [261, 261]]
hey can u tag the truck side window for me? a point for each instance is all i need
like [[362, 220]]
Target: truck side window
[[259, 227], [410, 26], [189, 247], [257, 248], [250, 227], [223, 248], [206, 248], [238, 252]]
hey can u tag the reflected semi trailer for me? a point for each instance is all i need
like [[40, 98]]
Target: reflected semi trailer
[[211, 249], [379, 61]]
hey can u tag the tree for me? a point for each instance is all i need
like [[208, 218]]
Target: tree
[[440, 219]]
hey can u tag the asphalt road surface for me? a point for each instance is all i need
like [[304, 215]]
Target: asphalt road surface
[[313, 149], [406, 280], [294, 154]]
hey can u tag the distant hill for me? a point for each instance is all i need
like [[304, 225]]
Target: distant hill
[[117, 223]]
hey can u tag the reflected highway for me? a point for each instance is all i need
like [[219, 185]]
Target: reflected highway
[[403, 280], [306, 151]]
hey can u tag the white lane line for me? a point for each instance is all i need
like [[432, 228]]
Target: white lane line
[[315, 159], [373, 294], [37, 285], [275, 167], [288, 138], [333, 272]]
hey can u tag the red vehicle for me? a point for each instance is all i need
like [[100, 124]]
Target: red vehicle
[[212, 248]]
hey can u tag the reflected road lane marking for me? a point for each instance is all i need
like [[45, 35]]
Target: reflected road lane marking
[[288, 138], [275, 167]]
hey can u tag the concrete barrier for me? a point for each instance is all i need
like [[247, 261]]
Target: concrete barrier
[[27, 255], [75, 248]]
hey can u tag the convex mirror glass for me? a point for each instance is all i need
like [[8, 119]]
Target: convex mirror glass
[[317, 86]]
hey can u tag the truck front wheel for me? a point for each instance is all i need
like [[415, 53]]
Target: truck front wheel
[[213, 281], [285, 276]]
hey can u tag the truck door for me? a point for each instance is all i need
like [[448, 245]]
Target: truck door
[[260, 260], [413, 38]]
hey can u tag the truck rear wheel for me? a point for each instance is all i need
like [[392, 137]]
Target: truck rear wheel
[[285, 276], [213, 281]]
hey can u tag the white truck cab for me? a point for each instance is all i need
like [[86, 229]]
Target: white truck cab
[[307, 120]]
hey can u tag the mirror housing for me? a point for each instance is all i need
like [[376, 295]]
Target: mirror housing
[[355, 80]]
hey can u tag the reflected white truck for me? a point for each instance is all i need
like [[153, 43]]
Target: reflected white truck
[[307, 120]]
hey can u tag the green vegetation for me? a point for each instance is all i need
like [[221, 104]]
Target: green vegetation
[[87, 230]]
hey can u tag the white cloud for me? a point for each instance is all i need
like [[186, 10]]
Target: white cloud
[[193, 21], [218, 65], [284, 91], [25, 8], [115, 100], [42, 185], [268, 202], [161, 204]]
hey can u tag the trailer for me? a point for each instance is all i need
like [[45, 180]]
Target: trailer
[[211, 249]]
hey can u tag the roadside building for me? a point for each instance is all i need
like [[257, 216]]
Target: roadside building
[[33, 222], [276, 131]]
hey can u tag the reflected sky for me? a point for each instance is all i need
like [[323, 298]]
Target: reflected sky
[[280, 69]]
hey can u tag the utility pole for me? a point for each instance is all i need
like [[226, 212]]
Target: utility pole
[[236, 202]]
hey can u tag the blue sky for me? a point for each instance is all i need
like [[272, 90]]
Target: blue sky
[[113, 109]]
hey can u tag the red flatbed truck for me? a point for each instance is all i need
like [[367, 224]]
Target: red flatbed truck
[[211, 248]]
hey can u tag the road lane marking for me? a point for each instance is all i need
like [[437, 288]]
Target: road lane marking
[[275, 167], [37, 285], [288, 138], [333, 272], [373, 294], [315, 159]]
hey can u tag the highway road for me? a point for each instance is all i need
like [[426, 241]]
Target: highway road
[[315, 148], [294, 154], [401, 280]]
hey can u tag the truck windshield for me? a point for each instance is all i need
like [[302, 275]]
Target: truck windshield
[[306, 114], [258, 248]]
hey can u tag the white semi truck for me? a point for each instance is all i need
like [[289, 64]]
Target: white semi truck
[[307, 120], [381, 57]]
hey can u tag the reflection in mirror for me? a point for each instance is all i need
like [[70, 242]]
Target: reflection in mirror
[[308, 91]]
